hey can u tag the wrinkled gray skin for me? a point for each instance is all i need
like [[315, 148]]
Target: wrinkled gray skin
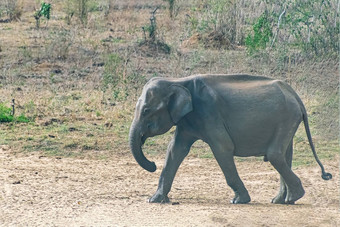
[[236, 115]]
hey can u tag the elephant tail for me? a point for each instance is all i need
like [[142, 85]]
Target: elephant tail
[[325, 175]]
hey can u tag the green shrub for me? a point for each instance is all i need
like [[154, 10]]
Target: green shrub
[[262, 33], [6, 115], [314, 25], [309, 29], [153, 41], [22, 119], [44, 11]]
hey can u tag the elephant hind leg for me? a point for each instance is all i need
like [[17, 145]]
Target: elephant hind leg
[[290, 183], [281, 196], [265, 159]]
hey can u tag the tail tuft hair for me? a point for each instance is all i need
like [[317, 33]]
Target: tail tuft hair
[[326, 176]]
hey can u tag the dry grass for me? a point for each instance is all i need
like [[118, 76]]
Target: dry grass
[[55, 75]]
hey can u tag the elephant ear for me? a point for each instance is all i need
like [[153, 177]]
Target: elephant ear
[[180, 102]]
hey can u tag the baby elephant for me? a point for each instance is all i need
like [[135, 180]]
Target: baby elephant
[[236, 115]]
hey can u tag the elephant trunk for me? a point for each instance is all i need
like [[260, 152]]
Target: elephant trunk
[[136, 141]]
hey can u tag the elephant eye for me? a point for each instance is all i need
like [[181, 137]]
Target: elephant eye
[[146, 111]]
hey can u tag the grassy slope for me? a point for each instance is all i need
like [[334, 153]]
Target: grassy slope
[[55, 76]]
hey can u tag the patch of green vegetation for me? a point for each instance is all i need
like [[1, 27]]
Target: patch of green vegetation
[[333, 101], [6, 28], [63, 128], [6, 115], [216, 17], [93, 6], [113, 40], [44, 11], [171, 7], [303, 155], [113, 71], [118, 80], [208, 155], [44, 144], [87, 147], [71, 146], [50, 147], [201, 150], [22, 119], [156, 145], [262, 32]]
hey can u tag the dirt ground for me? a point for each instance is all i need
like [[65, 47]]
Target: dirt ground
[[51, 191]]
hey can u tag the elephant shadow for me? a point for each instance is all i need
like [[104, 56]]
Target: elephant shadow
[[223, 202]]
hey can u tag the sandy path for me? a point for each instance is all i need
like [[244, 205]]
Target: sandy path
[[41, 191]]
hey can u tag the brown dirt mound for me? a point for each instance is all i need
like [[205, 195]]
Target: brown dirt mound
[[153, 48], [213, 40]]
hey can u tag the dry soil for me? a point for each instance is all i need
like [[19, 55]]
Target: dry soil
[[49, 191]]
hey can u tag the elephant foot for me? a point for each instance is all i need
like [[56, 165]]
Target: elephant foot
[[280, 198], [158, 198], [294, 196], [240, 199]]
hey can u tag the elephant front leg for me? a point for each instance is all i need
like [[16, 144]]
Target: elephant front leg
[[177, 151], [235, 182]]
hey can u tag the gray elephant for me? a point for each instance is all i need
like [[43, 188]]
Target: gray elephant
[[236, 115]]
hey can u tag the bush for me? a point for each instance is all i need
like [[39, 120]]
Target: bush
[[215, 17], [78, 8], [309, 28], [44, 11], [262, 33], [120, 78], [6, 115], [152, 41], [12, 8], [314, 26], [58, 45]]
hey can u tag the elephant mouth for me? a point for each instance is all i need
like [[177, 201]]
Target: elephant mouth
[[143, 139]]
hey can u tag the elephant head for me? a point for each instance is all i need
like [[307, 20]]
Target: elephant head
[[161, 105]]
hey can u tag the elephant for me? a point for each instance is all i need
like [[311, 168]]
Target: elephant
[[236, 115]]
